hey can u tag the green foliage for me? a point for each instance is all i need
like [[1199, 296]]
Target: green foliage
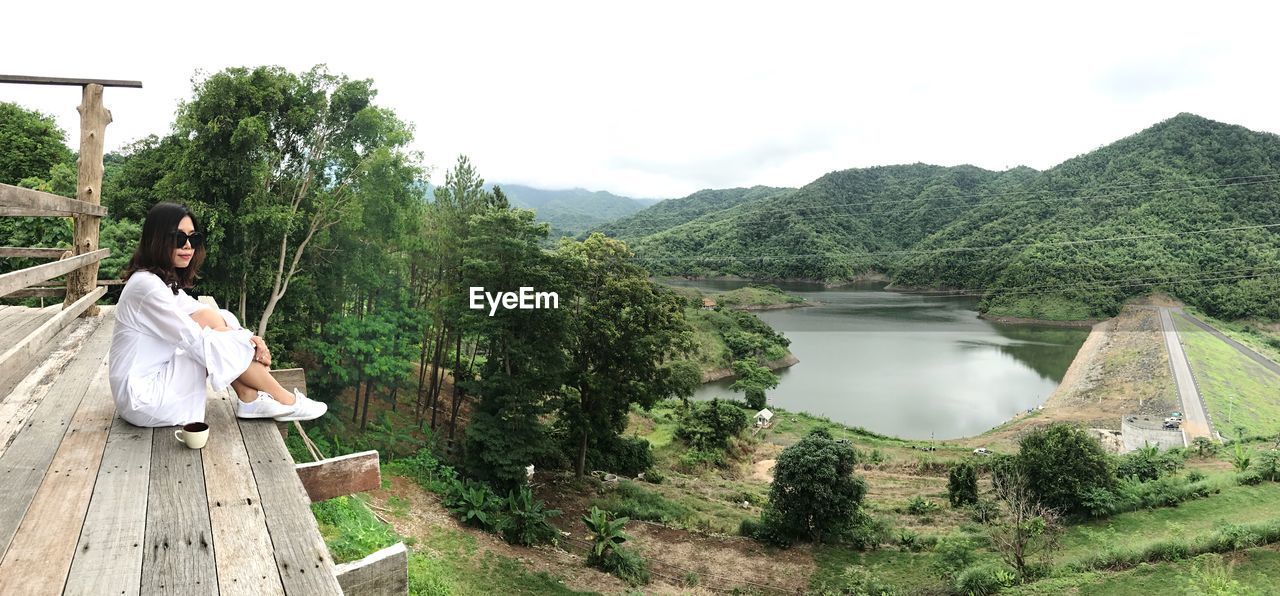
[[709, 425], [814, 495], [1062, 464], [753, 380], [1131, 494], [984, 579], [1269, 465], [627, 456], [475, 504], [1205, 447], [1147, 463], [628, 565], [953, 554], [1241, 457], [962, 484], [856, 580], [33, 144], [350, 529], [525, 519], [636, 502], [607, 534], [1210, 576], [918, 505]]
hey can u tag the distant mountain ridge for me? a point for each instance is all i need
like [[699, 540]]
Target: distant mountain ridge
[[575, 210], [1048, 244]]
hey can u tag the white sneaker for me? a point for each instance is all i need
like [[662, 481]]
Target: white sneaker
[[263, 407], [303, 408]]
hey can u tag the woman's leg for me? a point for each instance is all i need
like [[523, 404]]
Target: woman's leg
[[258, 378]]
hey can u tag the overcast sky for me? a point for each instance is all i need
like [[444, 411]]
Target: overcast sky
[[658, 99]]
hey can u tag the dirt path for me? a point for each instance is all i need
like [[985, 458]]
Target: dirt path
[[1195, 422]]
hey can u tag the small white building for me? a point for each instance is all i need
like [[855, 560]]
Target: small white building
[[763, 417]]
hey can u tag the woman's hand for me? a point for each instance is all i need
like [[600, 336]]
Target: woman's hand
[[260, 351]]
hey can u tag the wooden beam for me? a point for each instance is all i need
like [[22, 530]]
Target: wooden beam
[[33, 253], [22, 278], [383, 573], [291, 378], [31, 80], [25, 202], [94, 118], [55, 291], [339, 476]]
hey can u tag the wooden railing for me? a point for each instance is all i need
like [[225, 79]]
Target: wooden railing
[[79, 262]]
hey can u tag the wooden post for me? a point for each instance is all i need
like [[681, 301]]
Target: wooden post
[[94, 119]]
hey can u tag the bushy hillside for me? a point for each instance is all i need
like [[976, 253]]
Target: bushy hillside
[[1125, 219]]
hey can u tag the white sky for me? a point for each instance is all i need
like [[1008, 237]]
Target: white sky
[[660, 99]]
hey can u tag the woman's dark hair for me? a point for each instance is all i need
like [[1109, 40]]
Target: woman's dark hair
[[155, 249]]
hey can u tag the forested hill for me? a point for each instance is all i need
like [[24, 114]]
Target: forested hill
[[575, 210], [1052, 244]]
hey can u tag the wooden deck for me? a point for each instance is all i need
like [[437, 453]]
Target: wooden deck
[[90, 504]]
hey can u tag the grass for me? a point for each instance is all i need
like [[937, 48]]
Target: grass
[[448, 562], [757, 297], [1236, 504], [1253, 334], [1238, 392], [1256, 571]]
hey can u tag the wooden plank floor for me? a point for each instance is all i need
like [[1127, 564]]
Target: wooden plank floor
[[90, 504]]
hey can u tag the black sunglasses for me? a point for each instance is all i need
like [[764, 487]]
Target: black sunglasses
[[181, 238]]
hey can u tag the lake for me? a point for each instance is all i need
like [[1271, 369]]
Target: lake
[[908, 365]]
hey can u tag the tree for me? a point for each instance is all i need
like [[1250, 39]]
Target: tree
[[525, 364], [276, 159], [1061, 464], [686, 377], [753, 381], [1026, 527], [962, 484], [622, 326], [710, 425], [815, 495], [30, 144]]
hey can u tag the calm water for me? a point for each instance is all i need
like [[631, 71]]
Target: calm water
[[908, 365]]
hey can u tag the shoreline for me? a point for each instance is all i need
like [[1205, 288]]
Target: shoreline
[[720, 374], [1076, 324]]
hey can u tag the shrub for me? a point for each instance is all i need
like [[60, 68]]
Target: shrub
[[474, 503], [710, 425], [962, 484], [626, 456], [1063, 463], [627, 565], [1249, 478], [749, 527], [918, 505], [524, 521], [695, 461], [1269, 464], [1195, 476], [953, 554], [654, 476], [910, 541], [1240, 458], [856, 580], [984, 510], [984, 579], [868, 533]]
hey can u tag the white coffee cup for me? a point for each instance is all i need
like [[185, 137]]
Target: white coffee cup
[[193, 435]]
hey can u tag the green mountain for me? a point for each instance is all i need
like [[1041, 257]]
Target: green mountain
[[1179, 207], [573, 211]]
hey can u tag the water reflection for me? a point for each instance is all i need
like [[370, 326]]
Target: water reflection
[[909, 365]]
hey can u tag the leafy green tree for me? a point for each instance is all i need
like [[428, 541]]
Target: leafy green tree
[[1061, 464], [815, 495], [710, 425], [274, 160], [525, 366], [962, 484], [686, 377], [607, 535], [1241, 458], [30, 144], [753, 380], [622, 326]]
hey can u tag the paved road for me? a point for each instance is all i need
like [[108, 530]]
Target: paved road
[[1243, 349], [1194, 421]]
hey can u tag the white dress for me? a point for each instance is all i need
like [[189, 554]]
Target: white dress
[[160, 357]]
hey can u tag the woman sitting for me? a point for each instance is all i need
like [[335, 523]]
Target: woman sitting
[[167, 344]]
